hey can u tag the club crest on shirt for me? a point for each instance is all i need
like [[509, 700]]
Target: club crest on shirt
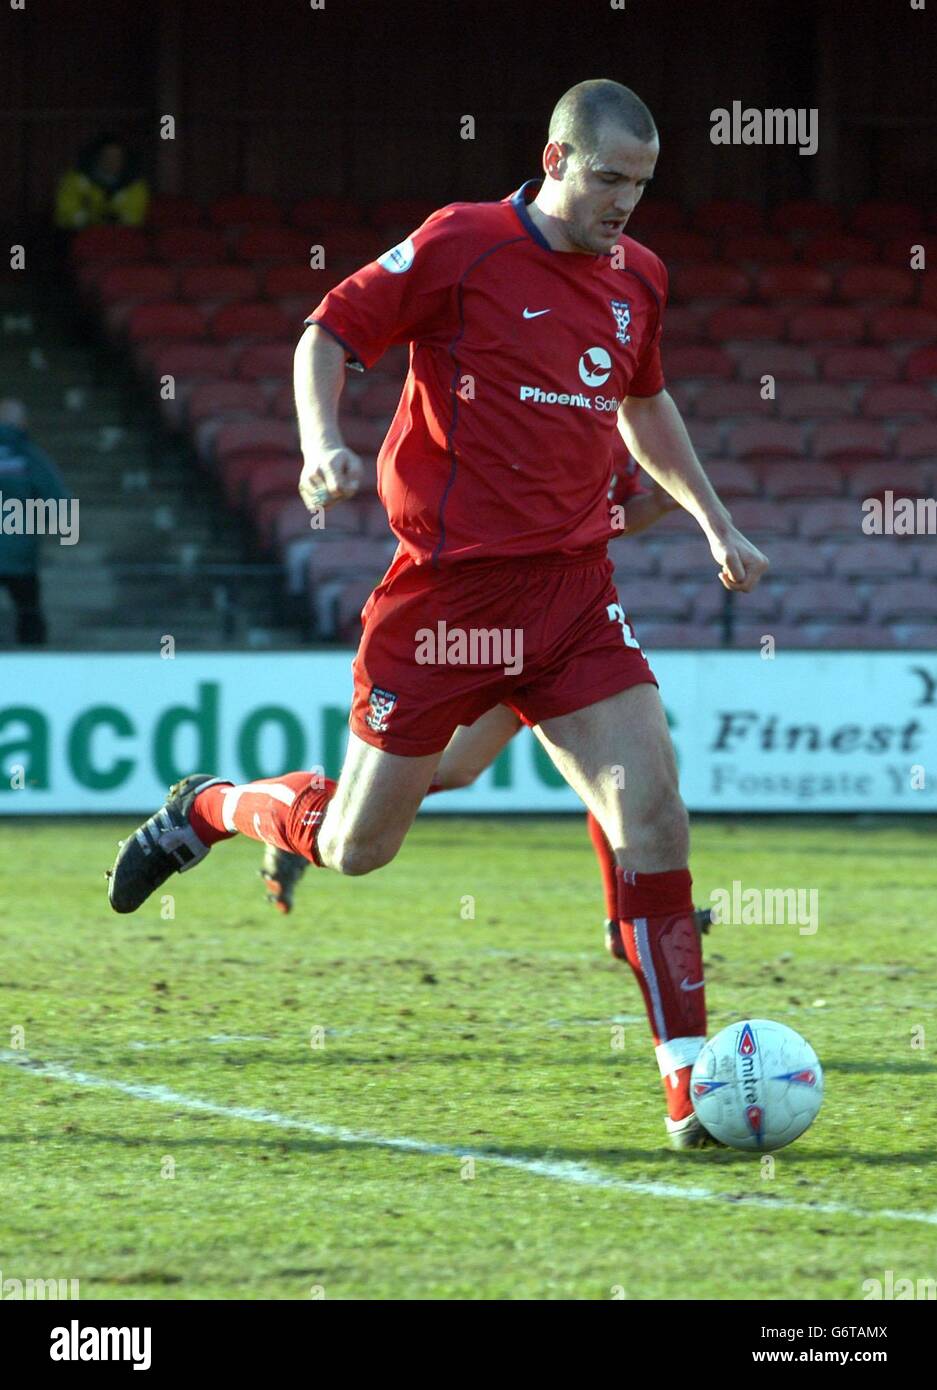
[[622, 311], [380, 707]]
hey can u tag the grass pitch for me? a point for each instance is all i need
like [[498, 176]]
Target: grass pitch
[[220, 1104]]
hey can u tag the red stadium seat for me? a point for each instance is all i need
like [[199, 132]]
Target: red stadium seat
[[244, 210], [180, 246], [789, 480], [683, 324], [780, 360], [922, 365], [862, 636], [744, 323], [269, 245], [757, 517], [256, 320], [814, 399], [379, 399], [826, 324], [770, 439], [835, 251], [266, 362], [897, 250], [861, 364], [721, 215], [314, 213], [793, 284], [226, 400], [235, 469], [793, 560], [889, 400], [850, 441], [758, 249], [682, 558], [645, 598], [903, 325], [170, 210], [725, 398], [895, 475], [167, 320], [834, 599], [905, 600], [277, 479], [298, 281], [677, 246], [876, 284], [218, 284], [880, 218], [283, 406], [698, 362], [408, 212], [655, 637], [257, 437], [804, 215], [733, 479], [710, 280], [365, 436], [136, 283], [359, 245], [762, 603], [192, 361], [837, 517], [873, 557], [657, 215], [917, 441], [114, 244], [707, 438]]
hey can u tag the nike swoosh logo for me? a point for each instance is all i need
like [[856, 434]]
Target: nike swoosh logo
[[534, 313], [685, 984]]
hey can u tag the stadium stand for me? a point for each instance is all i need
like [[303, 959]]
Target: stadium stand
[[798, 343]]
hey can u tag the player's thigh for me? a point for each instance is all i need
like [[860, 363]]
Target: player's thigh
[[618, 756], [473, 747], [376, 799]]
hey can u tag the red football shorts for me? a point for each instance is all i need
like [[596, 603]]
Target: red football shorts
[[544, 636]]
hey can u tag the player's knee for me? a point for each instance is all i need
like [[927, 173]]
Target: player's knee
[[665, 827], [355, 856]]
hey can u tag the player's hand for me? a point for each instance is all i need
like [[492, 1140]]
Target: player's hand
[[741, 564], [329, 476]]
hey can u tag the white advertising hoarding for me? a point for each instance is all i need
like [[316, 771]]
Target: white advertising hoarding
[[806, 731]]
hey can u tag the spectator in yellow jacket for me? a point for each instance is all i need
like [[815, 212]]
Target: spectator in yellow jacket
[[105, 187]]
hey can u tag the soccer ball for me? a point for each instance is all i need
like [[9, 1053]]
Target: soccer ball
[[757, 1085]]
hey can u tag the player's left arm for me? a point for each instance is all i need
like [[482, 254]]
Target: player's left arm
[[656, 436]]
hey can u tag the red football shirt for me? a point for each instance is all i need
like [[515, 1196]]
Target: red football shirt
[[519, 359]]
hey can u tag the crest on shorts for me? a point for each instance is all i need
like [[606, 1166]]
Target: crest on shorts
[[380, 707], [622, 311]]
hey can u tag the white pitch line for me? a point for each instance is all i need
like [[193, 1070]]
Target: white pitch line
[[556, 1170]]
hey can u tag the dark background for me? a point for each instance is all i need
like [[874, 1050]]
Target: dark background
[[364, 97]]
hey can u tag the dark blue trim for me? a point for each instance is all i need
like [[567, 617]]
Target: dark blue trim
[[519, 204], [450, 445], [356, 359]]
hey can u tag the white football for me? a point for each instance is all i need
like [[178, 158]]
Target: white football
[[757, 1085]]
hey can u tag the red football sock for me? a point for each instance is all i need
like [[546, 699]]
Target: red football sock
[[608, 866], [663, 949], [283, 811]]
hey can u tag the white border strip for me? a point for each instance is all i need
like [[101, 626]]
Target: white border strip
[[556, 1170]]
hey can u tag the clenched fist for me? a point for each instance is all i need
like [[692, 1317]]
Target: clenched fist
[[329, 476], [741, 564]]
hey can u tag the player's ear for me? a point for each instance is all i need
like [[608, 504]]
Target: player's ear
[[554, 160]]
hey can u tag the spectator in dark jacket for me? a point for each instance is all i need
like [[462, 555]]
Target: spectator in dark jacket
[[27, 477]]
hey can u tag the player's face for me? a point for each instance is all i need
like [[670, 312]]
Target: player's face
[[598, 195]]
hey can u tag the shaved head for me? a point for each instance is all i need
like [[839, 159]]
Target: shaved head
[[582, 113]]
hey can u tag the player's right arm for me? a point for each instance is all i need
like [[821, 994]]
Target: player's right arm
[[331, 471]]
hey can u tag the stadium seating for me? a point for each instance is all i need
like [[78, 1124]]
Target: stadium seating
[[799, 343]]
